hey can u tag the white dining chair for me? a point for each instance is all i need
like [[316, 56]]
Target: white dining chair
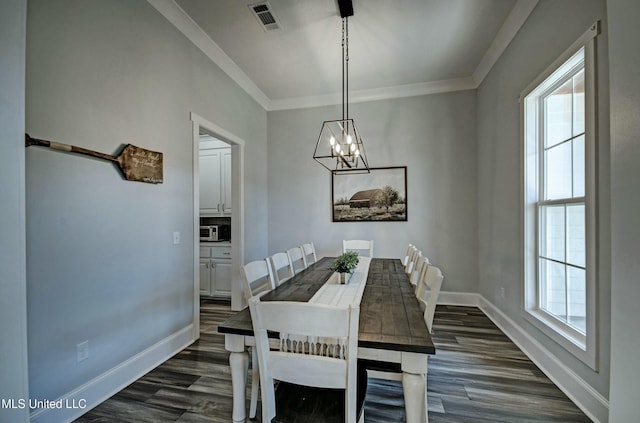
[[428, 292], [317, 348], [363, 247], [309, 252], [297, 259], [418, 269], [281, 268], [411, 259], [407, 255], [257, 280]]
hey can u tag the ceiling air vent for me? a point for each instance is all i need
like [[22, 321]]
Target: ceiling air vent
[[263, 12]]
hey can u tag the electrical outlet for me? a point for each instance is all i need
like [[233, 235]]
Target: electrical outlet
[[82, 351], [502, 292], [176, 238]]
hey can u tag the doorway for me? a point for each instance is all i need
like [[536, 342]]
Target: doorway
[[199, 126]]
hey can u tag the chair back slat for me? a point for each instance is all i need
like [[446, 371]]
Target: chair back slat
[[309, 319], [411, 259], [416, 272], [281, 268], [257, 278], [296, 259], [309, 252], [359, 245], [407, 255], [428, 293]]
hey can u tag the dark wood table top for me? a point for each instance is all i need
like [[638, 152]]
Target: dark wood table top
[[390, 315]]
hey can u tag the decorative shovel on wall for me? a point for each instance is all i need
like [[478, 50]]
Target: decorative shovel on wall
[[135, 163]]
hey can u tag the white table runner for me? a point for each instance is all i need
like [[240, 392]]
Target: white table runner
[[341, 295]]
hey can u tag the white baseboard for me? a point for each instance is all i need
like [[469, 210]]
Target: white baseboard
[[84, 398], [592, 403], [469, 299]]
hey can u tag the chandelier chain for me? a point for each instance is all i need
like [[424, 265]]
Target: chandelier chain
[[345, 146], [346, 61], [342, 59]]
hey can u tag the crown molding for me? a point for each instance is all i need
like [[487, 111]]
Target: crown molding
[[187, 26], [507, 32], [398, 91], [190, 29]]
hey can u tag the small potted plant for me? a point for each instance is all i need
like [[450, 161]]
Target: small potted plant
[[345, 264]]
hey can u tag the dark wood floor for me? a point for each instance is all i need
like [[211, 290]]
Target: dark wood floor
[[477, 375]]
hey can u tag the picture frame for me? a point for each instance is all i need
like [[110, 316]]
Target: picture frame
[[377, 196]]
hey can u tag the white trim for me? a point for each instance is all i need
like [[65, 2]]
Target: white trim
[[114, 380], [568, 338], [195, 154], [584, 348], [592, 195], [218, 130], [237, 210], [190, 29], [187, 26], [517, 17], [14, 358], [375, 94], [581, 42], [591, 402], [594, 405], [469, 299]]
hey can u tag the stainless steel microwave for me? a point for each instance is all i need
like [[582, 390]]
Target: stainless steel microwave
[[209, 233]]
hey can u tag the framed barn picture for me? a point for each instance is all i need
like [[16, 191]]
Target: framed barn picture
[[378, 196]]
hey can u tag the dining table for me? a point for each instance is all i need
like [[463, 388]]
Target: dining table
[[392, 334]]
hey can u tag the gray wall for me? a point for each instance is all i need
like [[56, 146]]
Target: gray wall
[[13, 303], [102, 266], [624, 56], [551, 28], [434, 136]]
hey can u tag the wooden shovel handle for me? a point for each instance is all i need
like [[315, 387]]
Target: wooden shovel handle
[[28, 141]]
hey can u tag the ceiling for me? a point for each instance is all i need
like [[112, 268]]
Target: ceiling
[[396, 47]]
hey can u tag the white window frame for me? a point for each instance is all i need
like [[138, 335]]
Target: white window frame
[[582, 346]]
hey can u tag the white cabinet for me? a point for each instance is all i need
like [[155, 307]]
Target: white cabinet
[[215, 270], [205, 276], [221, 278], [215, 181]]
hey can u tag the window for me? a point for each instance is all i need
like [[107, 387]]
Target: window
[[558, 112]]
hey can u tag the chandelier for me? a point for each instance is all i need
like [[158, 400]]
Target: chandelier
[[340, 147]]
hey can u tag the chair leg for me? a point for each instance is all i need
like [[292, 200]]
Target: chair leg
[[255, 382]]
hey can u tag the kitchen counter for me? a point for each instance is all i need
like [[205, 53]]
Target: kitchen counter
[[215, 243]]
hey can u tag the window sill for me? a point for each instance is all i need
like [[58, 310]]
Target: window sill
[[576, 345]]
